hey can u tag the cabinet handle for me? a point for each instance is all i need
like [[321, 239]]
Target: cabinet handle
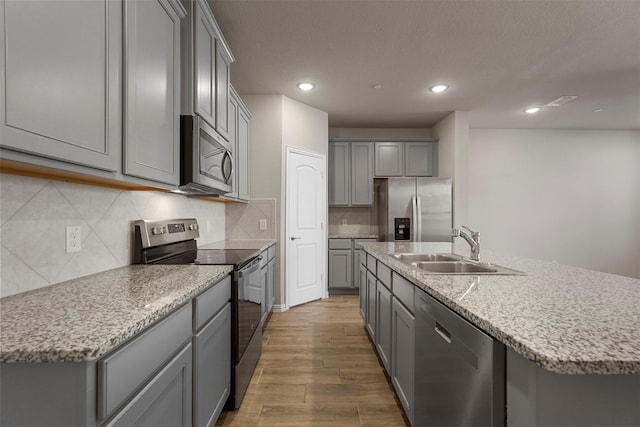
[[443, 332]]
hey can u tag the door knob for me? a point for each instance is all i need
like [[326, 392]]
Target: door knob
[[295, 238]]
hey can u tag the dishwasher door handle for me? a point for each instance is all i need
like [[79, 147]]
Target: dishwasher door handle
[[443, 332]]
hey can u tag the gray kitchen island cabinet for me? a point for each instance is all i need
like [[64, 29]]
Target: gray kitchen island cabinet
[[152, 116], [61, 85], [350, 173]]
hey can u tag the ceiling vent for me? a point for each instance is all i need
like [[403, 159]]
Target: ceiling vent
[[560, 101]]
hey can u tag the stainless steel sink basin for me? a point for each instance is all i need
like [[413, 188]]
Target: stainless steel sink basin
[[411, 258], [459, 267], [452, 264]]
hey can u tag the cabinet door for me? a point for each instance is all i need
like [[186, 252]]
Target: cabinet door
[[152, 91], [212, 368], [242, 159], [402, 355], [165, 400], [233, 141], [204, 49], [361, 173], [271, 285], [223, 60], [419, 159], [362, 278], [60, 81], [371, 305], [356, 268], [383, 325], [339, 176], [340, 268], [389, 158]]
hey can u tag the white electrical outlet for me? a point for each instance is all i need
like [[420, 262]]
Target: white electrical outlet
[[344, 221], [74, 239], [263, 224]]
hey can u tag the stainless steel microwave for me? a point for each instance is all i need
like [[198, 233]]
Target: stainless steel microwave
[[206, 159]]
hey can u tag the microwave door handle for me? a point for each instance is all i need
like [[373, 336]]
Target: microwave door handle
[[225, 175]]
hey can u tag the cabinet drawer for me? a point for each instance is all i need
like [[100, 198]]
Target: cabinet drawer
[[403, 290], [384, 274], [210, 302], [339, 243], [371, 264], [122, 372], [271, 252]]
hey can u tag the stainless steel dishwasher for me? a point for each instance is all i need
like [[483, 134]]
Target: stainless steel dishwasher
[[460, 370]]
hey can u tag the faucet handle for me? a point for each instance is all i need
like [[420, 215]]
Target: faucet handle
[[474, 234]]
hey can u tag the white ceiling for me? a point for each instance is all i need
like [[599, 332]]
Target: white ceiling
[[498, 56]]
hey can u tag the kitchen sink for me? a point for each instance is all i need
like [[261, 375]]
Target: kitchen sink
[[411, 258], [452, 264], [454, 267]]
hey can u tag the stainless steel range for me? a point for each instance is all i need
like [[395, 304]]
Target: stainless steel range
[[173, 242]]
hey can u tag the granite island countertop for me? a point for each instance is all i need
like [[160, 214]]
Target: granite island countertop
[[82, 319], [566, 319]]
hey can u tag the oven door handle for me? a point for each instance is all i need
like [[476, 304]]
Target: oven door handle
[[254, 266]]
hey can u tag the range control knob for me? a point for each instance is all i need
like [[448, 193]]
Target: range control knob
[[157, 230], [193, 226]]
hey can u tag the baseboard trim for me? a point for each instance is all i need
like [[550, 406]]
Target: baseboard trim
[[279, 308]]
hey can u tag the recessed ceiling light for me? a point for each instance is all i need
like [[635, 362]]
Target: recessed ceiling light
[[438, 88], [306, 86], [597, 110], [376, 86], [532, 110]]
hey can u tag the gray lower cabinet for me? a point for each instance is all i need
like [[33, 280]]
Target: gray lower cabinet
[[340, 268], [383, 322], [176, 369], [211, 382], [268, 281], [371, 305], [402, 355], [165, 401], [362, 277]]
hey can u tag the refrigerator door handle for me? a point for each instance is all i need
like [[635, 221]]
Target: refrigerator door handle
[[419, 220], [414, 226]]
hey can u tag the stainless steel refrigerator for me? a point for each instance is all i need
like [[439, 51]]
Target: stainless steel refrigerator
[[414, 209]]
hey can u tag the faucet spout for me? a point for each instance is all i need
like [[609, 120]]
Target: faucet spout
[[472, 238]]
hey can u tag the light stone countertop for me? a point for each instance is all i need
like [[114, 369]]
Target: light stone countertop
[[82, 319], [566, 319]]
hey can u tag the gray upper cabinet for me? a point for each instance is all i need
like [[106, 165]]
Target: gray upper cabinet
[[152, 90], [206, 60], [233, 139], [339, 177], [361, 173], [60, 84], [406, 158], [389, 159], [350, 173], [420, 159], [242, 161]]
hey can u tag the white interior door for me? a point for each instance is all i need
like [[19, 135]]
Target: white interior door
[[306, 211]]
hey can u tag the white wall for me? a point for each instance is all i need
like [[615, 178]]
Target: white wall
[[453, 133], [35, 213], [569, 196]]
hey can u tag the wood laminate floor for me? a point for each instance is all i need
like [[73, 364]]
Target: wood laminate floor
[[318, 368]]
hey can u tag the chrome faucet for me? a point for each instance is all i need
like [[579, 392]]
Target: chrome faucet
[[472, 238]]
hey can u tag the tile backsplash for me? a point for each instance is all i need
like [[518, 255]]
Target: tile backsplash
[[352, 220], [243, 220], [34, 214]]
